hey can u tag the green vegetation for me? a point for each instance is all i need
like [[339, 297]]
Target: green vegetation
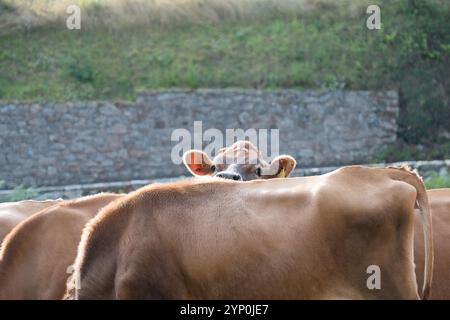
[[19, 193], [404, 151], [324, 46], [434, 181]]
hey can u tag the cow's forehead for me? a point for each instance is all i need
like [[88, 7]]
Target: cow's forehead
[[238, 158], [240, 145], [241, 152]]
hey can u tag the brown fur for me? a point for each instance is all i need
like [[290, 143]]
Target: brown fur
[[12, 213], [440, 209], [423, 205], [37, 253], [299, 238]]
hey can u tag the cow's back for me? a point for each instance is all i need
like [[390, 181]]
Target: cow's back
[[36, 254], [12, 213]]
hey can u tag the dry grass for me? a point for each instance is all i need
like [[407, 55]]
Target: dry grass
[[128, 13]]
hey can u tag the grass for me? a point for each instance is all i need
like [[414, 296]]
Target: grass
[[251, 44], [19, 193], [435, 181], [114, 64], [120, 14]]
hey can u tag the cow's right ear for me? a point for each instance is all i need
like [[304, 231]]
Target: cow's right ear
[[197, 162]]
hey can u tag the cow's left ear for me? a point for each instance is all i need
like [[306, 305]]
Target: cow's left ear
[[197, 162], [282, 166]]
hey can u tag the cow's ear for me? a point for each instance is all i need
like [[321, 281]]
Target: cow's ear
[[282, 166], [197, 162]]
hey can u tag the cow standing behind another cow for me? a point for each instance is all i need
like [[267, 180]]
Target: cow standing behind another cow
[[64, 222], [241, 161]]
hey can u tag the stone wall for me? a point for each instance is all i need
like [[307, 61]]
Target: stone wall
[[50, 144]]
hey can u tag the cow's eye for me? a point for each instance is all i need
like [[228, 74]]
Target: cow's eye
[[258, 172], [213, 168]]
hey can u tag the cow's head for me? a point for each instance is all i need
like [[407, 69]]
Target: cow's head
[[241, 161]]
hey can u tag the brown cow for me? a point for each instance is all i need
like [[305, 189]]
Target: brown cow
[[440, 209], [299, 238], [12, 213], [241, 161], [36, 255]]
